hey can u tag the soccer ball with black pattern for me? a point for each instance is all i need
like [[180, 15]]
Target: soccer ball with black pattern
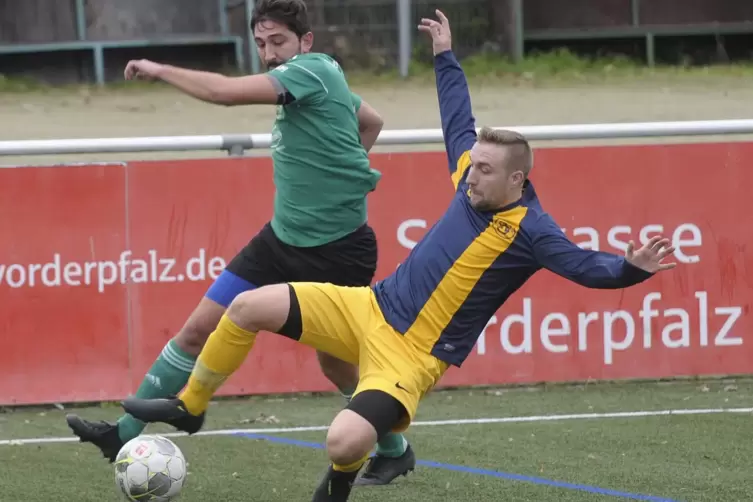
[[150, 469]]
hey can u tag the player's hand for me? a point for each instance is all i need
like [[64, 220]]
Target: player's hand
[[651, 256], [440, 32], [142, 69]]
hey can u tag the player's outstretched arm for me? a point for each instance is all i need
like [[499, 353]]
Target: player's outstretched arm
[[210, 87], [458, 123], [596, 269], [370, 123]]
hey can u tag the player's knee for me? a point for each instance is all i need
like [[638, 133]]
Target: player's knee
[[263, 309], [245, 309], [195, 332], [369, 416], [350, 438]]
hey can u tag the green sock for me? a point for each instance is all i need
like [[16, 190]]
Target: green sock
[[392, 444], [167, 376]]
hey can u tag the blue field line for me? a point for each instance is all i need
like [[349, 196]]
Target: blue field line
[[480, 472]]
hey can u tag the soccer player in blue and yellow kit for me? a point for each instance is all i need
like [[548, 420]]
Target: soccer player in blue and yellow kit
[[409, 328]]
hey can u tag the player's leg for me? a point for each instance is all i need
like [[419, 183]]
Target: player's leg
[[369, 416], [322, 316], [343, 375], [394, 377], [352, 261], [167, 376], [172, 368], [349, 261]]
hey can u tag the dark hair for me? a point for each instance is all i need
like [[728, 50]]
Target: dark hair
[[292, 13]]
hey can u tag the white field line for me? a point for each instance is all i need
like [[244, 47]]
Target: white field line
[[469, 421]]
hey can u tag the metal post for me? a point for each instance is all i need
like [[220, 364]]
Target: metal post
[[99, 65], [240, 57], [80, 20], [650, 50], [635, 8], [404, 36], [518, 49], [255, 63], [222, 16]]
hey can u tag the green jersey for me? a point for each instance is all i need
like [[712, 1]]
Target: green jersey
[[321, 171]]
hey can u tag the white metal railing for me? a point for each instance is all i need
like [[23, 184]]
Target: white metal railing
[[236, 144]]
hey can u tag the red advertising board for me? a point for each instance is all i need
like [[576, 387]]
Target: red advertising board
[[101, 264]]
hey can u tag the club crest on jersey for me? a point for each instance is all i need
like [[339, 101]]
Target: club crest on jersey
[[504, 229]]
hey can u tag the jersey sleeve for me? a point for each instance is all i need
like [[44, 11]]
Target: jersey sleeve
[[302, 78], [592, 269], [357, 100], [458, 123]]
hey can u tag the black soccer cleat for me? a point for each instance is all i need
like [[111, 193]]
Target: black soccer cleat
[[170, 411], [103, 435], [383, 470], [335, 487]]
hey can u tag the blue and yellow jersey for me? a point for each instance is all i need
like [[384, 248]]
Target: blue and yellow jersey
[[470, 262]]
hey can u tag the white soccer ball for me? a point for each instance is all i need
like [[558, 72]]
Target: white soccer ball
[[150, 469]]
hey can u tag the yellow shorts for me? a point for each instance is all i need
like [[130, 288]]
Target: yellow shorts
[[347, 323]]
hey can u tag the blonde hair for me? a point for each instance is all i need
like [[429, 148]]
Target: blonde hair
[[521, 158]]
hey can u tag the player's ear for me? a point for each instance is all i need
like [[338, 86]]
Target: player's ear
[[307, 42], [518, 178]]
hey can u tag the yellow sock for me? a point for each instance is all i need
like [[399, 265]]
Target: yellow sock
[[224, 352], [351, 467]]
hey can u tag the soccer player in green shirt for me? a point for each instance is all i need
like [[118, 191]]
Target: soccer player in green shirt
[[319, 231]]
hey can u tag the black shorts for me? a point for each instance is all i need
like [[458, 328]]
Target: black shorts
[[265, 260]]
